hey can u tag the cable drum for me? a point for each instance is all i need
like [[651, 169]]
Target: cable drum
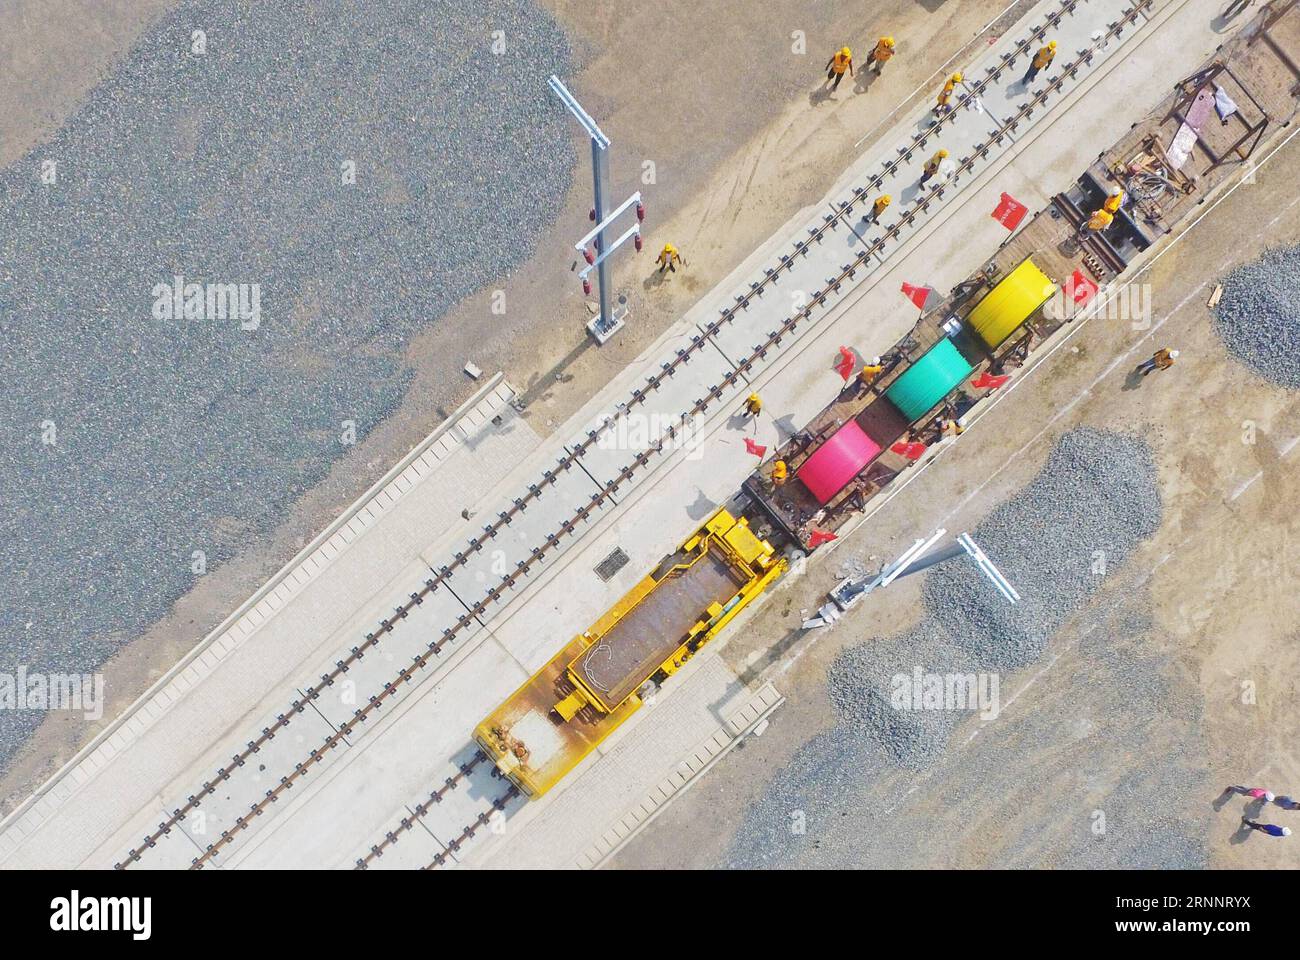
[[1148, 186]]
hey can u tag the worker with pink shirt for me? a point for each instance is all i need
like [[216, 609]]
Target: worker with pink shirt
[[1258, 793]]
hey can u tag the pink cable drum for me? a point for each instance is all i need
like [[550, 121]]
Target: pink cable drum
[[837, 461]]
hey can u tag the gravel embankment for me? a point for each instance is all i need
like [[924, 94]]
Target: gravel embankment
[[1094, 500], [1258, 316], [181, 435]]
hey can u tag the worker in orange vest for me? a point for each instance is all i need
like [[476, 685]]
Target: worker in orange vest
[[780, 473], [877, 208], [1099, 221], [932, 165], [1042, 58], [841, 62], [869, 372], [884, 51], [1162, 359], [667, 258], [945, 95]]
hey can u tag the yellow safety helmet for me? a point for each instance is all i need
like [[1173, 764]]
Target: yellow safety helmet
[[846, 52], [956, 78], [942, 153], [1052, 44], [887, 41], [886, 198]]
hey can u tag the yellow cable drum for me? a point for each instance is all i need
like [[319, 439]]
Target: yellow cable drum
[[1011, 303]]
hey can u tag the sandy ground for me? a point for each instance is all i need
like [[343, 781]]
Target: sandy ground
[[739, 138], [1208, 607]]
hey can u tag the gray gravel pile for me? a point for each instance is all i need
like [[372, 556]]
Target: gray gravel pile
[[1097, 492], [844, 802], [1144, 701], [1258, 316], [871, 686], [1096, 495], [813, 804], [183, 435], [1095, 499]]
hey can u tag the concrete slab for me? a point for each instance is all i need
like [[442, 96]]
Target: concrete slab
[[635, 431], [341, 814], [500, 556], [415, 849], [229, 801], [175, 850], [411, 637]]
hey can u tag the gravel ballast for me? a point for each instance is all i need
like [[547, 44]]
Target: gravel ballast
[[1080, 519], [1094, 501], [1258, 316], [130, 440]]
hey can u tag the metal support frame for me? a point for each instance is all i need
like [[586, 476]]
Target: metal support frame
[[608, 321], [1191, 88], [921, 555]]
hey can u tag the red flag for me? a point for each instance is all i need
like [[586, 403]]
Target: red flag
[[989, 381], [918, 295], [847, 362], [819, 537], [1010, 212], [912, 450], [1080, 288], [757, 449]]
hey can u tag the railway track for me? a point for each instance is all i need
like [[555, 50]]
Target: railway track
[[567, 531], [436, 796]]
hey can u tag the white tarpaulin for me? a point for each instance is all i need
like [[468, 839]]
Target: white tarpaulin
[[1181, 149]]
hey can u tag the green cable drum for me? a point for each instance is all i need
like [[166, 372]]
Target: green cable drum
[[929, 380]]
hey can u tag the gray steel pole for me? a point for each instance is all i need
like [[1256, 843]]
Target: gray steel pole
[[600, 182], [604, 326], [932, 558]]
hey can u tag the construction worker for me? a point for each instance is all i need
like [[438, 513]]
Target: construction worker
[[867, 375], [1042, 58], [753, 405], [877, 208], [668, 258], [1099, 221], [780, 473], [1114, 202], [1162, 359], [884, 50], [1272, 829], [839, 64], [932, 165], [1255, 793], [945, 95]]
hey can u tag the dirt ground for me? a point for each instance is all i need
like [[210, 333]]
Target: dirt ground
[[1212, 596], [739, 137]]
